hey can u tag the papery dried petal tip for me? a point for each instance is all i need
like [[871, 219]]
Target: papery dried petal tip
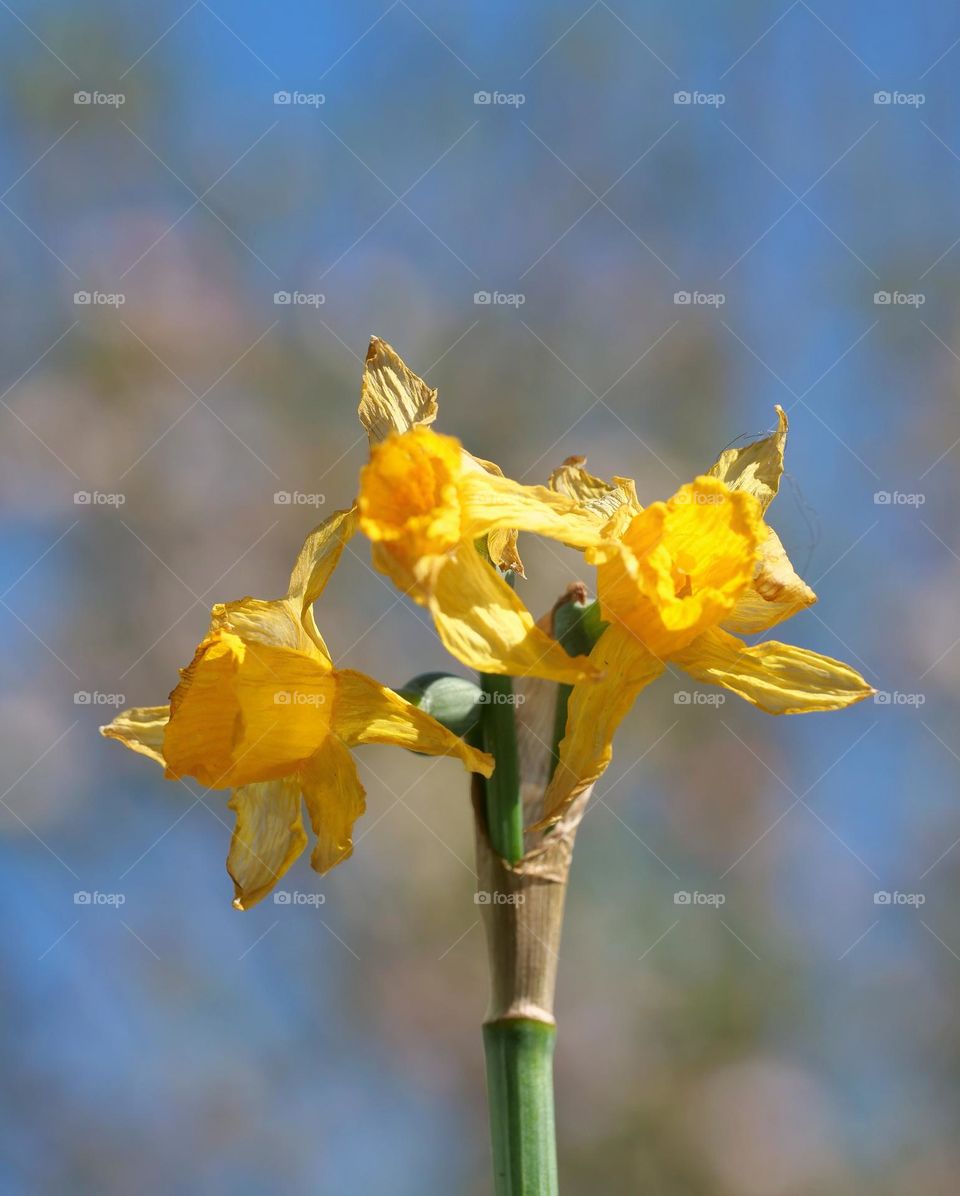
[[595, 496], [777, 591], [141, 730], [392, 397], [756, 467], [779, 678]]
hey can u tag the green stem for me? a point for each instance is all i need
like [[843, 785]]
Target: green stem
[[503, 804], [519, 1055], [519, 1051], [523, 916], [560, 721], [498, 727]]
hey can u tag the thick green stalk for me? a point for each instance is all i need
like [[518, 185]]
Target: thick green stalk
[[519, 1055], [522, 909], [499, 730], [518, 1047]]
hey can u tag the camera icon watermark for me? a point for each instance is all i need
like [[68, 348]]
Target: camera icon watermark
[[699, 298], [99, 298], [99, 99], [297, 498], [700, 99], [899, 298], [97, 498], [86, 697], [683, 897], [498, 299], [299, 298], [86, 897], [500, 699], [300, 99], [897, 498], [507, 99], [293, 697], [699, 498], [695, 697], [884, 697], [296, 897], [899, 99]]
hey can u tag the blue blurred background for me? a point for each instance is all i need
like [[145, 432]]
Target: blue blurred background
[[801, 1038]]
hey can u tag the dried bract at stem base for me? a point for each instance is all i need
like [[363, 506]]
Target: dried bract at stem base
[[521, 907]]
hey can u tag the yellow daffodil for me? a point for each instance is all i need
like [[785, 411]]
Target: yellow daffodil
[[443, 524], [675, 580], [394, 399], [261, 710]]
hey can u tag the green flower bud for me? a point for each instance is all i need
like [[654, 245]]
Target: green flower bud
[[578, 626], [454, 702]]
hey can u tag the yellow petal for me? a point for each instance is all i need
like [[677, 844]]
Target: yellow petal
[[502, 547], [502, 542], [680, 566], [490, 502], [316, 562], [335, 800], [141, 729], [779, 678], [364, 711], [483, 623], [409, 498], [392, 397], [258, 622], [598, 498], [756, 467], [410, 576], [288, 622], [245, 712], [775, 593], [595, 710], [267, 838]]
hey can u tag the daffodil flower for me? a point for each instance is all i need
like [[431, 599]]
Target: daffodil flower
[[675, 581], [444, 523], [261, 710], [394, 399]]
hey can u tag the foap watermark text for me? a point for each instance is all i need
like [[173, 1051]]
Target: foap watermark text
[[883, 897], [296, 897], [500, 99], [700, 99], [683, 897], [300, 99], [296, 498]]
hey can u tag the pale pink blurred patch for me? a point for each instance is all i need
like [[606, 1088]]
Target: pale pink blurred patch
[[764, 1127]]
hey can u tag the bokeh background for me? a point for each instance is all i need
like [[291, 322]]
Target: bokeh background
[[799, 1038]]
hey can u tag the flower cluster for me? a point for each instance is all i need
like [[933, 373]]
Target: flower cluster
[[262, 710]]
